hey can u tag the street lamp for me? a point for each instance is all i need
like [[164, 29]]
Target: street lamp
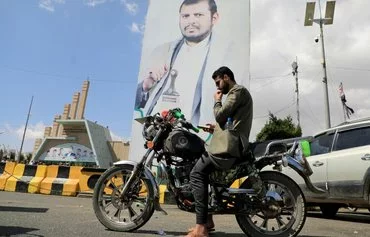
[[328, 20], [24, 132]]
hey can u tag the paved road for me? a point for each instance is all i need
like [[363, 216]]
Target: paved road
[[41, 215]]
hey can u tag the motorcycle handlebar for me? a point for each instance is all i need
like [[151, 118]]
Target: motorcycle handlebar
[[180, 116], [188, 125], [195, 129]]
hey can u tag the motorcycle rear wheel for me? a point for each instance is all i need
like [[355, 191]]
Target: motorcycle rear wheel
[[122, 215], [288, 221]]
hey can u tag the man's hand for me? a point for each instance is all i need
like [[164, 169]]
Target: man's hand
[[218, 96], [208, 128], [154, 75]]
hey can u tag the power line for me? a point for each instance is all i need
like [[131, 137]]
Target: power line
[[276, 112], [310, 118], [36, 72], [352, 69], [268, 83], [269, 77], [309, 107], [339, 67], [63, 76]]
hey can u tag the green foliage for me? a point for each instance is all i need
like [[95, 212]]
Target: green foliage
[[276, 128]]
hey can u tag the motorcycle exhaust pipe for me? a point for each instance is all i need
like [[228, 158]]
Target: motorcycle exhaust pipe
[[250, 192]]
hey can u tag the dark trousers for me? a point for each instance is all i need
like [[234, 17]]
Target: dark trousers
[[199, 180]]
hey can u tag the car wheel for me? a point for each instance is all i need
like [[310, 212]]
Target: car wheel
[[329, 210]]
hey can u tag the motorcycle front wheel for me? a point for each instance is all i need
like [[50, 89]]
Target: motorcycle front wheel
[[126, 213], [284, 211]]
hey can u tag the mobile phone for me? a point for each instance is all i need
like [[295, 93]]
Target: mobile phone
[[204, 127]]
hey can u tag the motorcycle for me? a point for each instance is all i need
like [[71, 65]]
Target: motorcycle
[[126, 195]]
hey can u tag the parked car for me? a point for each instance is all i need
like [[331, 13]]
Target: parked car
[[340, 161]]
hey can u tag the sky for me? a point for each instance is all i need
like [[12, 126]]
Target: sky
[[49, 47]]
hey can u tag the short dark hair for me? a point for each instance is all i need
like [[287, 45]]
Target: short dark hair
[[222, 71], [211, 3]]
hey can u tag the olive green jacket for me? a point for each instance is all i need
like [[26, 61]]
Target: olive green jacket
[[239, 106]]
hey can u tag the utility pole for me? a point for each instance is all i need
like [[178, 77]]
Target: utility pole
[[295, 73], [328, 20], [24, 132]]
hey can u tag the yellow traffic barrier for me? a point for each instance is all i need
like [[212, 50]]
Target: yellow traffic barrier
[[88, 179], [237, 183], [51, 174], [61, 180], [35, 182], [165, 196], [26, 178], [6, 170], [14, 183], [117, 181], [70, 187], [162, 193]]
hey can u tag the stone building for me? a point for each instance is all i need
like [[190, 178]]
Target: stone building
[[75, 140]]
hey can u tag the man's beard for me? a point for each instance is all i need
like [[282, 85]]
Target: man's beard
[[225, 89], [196, 38]]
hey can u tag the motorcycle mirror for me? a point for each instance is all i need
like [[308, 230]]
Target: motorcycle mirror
[[142, 120]]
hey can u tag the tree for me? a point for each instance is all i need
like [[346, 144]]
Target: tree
[[276, 128], [12, 156]]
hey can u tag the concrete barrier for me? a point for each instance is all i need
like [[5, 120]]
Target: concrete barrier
[[35, 183], [65, 180], [165, 197], [88, 179], [70, 187], [162, 193], [237, 183], [26, 178], [114, 182], [61, 180], [6, 170]]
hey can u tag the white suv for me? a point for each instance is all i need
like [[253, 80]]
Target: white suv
[[340, 161]]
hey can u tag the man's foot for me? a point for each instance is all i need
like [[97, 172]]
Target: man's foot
[[210, 224], [210, 228], [198, 231]]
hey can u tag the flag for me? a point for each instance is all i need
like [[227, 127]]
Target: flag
[[347, 110]]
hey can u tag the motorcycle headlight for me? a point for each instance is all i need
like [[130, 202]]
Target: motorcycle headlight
[[149, 132]]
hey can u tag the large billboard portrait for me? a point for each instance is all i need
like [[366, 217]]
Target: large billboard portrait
[[185, 41]]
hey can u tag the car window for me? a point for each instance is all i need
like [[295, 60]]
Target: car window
[[353, 138], [321, 144]]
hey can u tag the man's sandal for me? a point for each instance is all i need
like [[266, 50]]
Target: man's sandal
[[209, 229], [192, 233]]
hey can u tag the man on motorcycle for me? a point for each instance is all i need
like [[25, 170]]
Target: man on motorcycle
[[238, 105]]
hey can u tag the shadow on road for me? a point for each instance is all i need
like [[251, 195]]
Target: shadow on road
[[23, 209], [211, 234], [17, 230], [344, 216]]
